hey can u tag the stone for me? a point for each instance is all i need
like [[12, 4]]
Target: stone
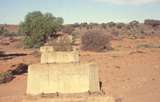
[[62, 78]]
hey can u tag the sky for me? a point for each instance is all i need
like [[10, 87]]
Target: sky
[[72, 11]]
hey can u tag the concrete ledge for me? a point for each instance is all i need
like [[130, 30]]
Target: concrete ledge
[[59, 57], [71, 99], [62, 78]]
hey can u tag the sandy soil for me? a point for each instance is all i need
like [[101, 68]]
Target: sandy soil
[[128, 73]]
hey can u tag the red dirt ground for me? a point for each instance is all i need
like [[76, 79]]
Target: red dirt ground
[[128, 73]]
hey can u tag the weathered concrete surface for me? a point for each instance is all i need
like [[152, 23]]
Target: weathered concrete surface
[[71, 99], [59, 57], [62, 78], [44, 49]]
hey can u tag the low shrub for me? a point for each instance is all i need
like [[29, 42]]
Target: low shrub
[[95, 41], [6, 77], [111, 24], [120, 25], [33, 42], [28, 42]]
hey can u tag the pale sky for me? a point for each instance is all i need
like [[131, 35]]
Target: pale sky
[[14, 11]]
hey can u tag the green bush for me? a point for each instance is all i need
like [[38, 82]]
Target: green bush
[[28, 42]]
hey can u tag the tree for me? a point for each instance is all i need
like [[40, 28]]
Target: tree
[[37, 27]]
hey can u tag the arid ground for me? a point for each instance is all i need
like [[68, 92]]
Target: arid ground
[[130, 72]]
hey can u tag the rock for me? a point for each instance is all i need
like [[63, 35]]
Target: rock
[[20, 69]]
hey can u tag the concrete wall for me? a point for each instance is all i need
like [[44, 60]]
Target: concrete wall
[[62, 78], [59, 57]]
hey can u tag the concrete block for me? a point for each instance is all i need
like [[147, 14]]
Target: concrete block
[[60, 57], [62, 78]]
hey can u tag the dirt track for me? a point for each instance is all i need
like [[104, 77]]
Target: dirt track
[[128, 73]]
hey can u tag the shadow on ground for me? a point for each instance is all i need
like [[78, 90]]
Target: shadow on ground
[[5, 56]]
